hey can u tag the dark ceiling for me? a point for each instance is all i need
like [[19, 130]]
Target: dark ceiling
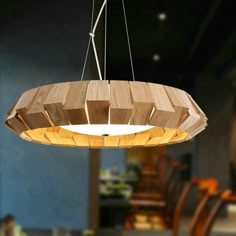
[[197, 38]]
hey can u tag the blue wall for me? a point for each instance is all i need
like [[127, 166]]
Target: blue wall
[[111, 158], [43, 186]]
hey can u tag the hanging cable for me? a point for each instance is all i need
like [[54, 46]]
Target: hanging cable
[[127, 34], [92, 34], [105, 45], [89, 42]]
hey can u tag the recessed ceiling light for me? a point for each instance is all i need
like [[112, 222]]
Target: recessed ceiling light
[[162, 16], [156, 57]]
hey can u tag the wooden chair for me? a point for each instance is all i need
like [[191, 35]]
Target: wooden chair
[[155, 185], [222, 200], [207, 188], [159, 199]]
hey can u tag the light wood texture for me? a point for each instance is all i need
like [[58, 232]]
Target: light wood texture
[[143, 103], [179, 137], [141, 139], [177, 98], [193, 117], [163, 107], [62, 137], [25, 103], [121, 102], [36, 115], [27, 137], [74, 106], [15, 123], [39, 136], [81, 140], [111, 141], [54, 103], [39, 113], [55, 135], [96, 141], [98, 101], [126, 141]]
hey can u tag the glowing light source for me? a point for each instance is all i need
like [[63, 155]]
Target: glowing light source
[[162, 16], [107, 130]]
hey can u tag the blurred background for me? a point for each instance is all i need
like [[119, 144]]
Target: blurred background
[[186, 44]]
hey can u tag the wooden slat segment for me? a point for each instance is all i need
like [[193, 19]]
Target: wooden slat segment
[[154, 132], [53, 134], [96, 141], [200, 125], [141, 139], [143, 103], [11, 110], [193, 117], [163, 107], [120, 116], [65, 133], [81, 140], [126, 140], [74, 106], [202, 122], [111, 141], [36, 116], [197, 131], [16, 123], [153, 142], [26, 137], [24, 104], [25, 101], [11, 126], [168, 135], [54, 103], [98, 101], [180, 136], [38, 135], [68, 142], [121, 102], [189, 122], [177, 98], [197, 108]]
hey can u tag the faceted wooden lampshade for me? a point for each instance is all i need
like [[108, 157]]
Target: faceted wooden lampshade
[[168, 114]]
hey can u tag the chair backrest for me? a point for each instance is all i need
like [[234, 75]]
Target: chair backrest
[[226, 197], [174, 188], [156, 178], [169, 173], [205, 187]]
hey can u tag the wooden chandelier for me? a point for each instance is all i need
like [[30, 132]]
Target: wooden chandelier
[[55, 114], [40, 112]]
